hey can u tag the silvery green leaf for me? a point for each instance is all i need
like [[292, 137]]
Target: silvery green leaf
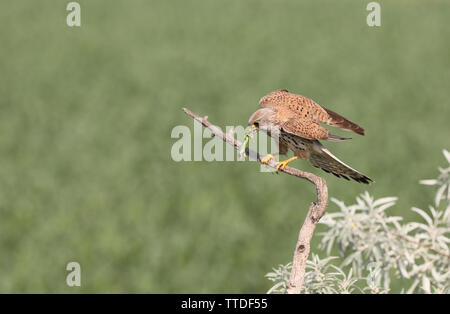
[[429, 182], [443, 240], [417, 225], [435, 213], [387, 279], [338, 270], [397, 224], [330, 245], [275, 287], [350, 273], [426, 284], [384, 200], [338, 203], [437, 276], [360, 202], [447, 155], [413, 287], [446, 218], [424, 215], [326, 260], [377, 252], [439, 194], [385, 206], [409, 257], [402, 269]]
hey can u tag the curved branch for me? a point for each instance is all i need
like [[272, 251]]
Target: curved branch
[[316, 210]]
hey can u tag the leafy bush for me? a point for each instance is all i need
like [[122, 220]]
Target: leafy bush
[[374, 246]]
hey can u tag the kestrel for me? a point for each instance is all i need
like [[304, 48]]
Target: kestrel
[[293, 120]]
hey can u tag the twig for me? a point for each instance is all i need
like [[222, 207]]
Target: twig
[[428, 247], [316, 210]]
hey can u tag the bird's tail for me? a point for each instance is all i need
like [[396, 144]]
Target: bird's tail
[[320, 157]]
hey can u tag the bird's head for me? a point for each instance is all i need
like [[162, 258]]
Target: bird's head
[[262, 119]]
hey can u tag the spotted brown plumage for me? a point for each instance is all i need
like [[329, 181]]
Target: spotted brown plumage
[[294, 120]]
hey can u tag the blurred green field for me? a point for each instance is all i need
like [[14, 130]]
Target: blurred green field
[[86, 116]]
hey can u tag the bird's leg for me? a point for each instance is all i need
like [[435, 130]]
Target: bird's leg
[[282, 164]]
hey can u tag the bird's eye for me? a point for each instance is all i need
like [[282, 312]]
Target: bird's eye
[[256, 124]]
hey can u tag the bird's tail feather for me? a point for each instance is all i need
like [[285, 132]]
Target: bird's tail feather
[[321, 157], [332, 137]]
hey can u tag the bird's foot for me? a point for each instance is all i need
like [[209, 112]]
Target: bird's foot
[[282, 164], [266, 159]]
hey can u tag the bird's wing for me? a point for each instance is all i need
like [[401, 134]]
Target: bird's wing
[[274, 99], [309, 129], [304, 127], [320, 157], [309, 109], [339, 121], [293, 105], [304, 107]]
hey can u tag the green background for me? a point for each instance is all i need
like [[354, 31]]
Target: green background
[[86, 116]]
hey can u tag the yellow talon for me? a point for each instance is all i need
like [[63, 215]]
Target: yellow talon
[[282, 164], [266, 159]]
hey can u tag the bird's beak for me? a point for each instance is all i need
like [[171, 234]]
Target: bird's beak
[[253, 128]]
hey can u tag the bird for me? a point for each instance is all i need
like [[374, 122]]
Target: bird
[[294, 122]]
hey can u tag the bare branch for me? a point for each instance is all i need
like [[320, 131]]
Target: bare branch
[[316, 210]]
